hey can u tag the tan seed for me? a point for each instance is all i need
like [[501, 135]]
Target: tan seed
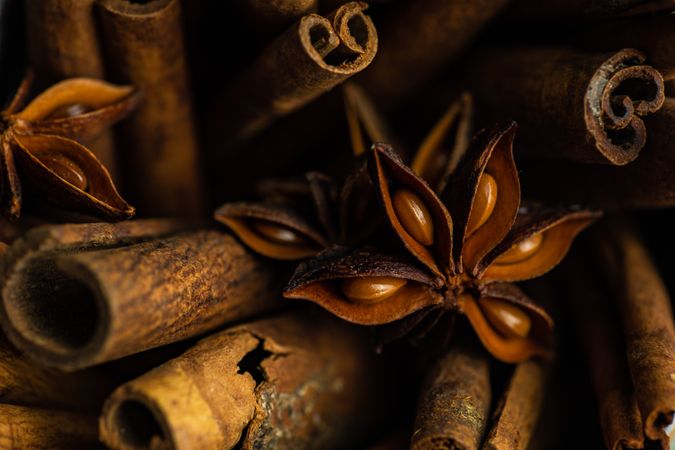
[[522, 250], [371, 289], [509, 320], [414, 216], [66, 169], [278, 233], [483, 204]]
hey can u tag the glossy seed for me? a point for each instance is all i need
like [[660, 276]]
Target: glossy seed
[[414, 216], [522, 250], [371, 289], [76, 109], [278, 233], [507, 318], [66, 169], [483, 204]]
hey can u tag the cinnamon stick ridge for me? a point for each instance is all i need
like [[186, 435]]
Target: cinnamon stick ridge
[[605, 353], [74, 307], [572, 105], [296, 381], [516, 416], [647, 182], [24, 427], [647, 319], [144, 47], [63, 43], [454, 404], [310, 58], [418, 40]]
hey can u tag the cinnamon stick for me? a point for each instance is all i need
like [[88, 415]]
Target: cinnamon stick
[[296, 381], [73, 308], [604, 350], [518, 411], [572, 105], [313, 56], [647, 182], [143, 43], [24, 383], [454, 403], [63, 43], [274, 14], [35, 428], [418, 39], [647, 320], [586, 10]]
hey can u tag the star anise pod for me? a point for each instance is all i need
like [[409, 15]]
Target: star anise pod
[[295, 219], [466, 265], [40, 152]]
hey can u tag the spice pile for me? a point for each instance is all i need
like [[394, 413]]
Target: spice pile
[[322, 224]]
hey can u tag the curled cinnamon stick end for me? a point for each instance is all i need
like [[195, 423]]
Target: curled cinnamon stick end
[[321, 52], [647, 320], [518, 411], [295, 381], [454, 404], [599, 331], [25, 427], [595, 112], [73, 309]]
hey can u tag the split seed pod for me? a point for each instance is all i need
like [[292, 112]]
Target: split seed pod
[[40, 147], [467, 261]]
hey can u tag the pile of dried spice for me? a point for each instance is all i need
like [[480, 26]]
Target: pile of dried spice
[[437, 224]]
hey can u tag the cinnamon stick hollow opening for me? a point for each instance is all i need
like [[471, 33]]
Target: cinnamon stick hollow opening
[[138, 426], [53, 311]]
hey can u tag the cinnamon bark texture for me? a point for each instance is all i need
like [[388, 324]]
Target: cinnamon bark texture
[[144, 47], [418, 40], [74, 308], [34, 428], [24, 383], [63, 43], [647, 319], [587, 107], [296, 381], [518, 410], [599, 332], [266, 15], [647, 182], [454, 405], [313, 56]]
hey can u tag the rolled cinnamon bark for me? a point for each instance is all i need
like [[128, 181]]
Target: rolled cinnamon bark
[[63, 43], [143, 43], [454, 404], [418, 40], [274, 14], [296, 381], [35, 428], [586, 107], [76, 308], [518, 411], [24, 383], [647, 182], [647, 319], [589, 10], [599, 332], [310, 58]]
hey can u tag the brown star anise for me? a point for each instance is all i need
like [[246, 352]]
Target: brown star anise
[[39, 149], [466, 264]]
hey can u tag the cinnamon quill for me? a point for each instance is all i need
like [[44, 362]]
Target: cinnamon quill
[[36, 428], [75, 304], [295, 381], [570, 105], [144, 47], [454, 404], [647, 319]]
